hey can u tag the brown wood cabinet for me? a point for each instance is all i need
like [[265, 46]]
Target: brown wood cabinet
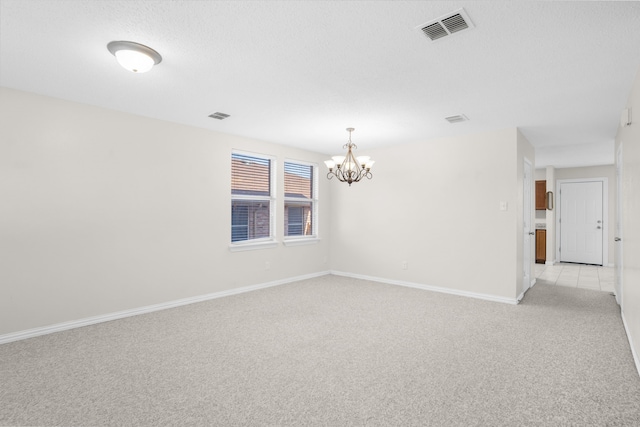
[[541, 246], [541, 195]]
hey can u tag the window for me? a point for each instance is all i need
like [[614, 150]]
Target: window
[[251, 197], [300, 200]]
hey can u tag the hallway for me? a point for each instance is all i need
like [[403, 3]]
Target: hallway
[[577, 276]]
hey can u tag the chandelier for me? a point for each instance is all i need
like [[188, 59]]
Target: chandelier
[[349, 168]]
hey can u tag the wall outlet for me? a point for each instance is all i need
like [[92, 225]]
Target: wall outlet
[[267, 265], [405, 265]]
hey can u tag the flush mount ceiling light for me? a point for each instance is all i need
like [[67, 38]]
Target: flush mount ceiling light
[[349, 168], [135, 57]]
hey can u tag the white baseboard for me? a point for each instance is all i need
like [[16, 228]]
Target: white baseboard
[[549, 263], [633, 349], [30, 333], [429, 288]]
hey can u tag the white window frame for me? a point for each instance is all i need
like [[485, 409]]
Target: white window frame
[[314, 237], [265, 242]]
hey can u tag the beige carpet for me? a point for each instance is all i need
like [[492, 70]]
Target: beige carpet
[[334, 351]]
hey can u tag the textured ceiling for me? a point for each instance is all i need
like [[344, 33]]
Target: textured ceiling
[[298, 73]]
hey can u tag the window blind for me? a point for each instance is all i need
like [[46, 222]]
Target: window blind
[[298, 180], [299, 204], [251, 205], [250, 175]]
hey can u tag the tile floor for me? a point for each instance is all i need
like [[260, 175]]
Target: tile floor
[[577, 276]]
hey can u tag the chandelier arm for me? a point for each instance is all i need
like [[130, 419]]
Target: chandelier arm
[[344, 177]]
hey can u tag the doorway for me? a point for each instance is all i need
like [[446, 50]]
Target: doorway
[[582, 221]]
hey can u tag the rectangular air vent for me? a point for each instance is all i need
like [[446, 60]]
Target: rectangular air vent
[[219, 116], [446, 25], [435, 31], [455, 23], [456, 119]]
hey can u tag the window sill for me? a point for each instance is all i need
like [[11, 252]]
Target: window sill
[[301, 241], [251, 246]]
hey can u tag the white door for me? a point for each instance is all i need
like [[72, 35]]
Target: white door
[[618, 237], [581, 222], [526, 218]]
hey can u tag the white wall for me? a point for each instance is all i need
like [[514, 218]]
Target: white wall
[[103, 211], [435, 204], [629, 137]]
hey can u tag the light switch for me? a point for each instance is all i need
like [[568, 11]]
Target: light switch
[[503, 206]]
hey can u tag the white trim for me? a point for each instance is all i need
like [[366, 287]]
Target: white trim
[[618, 255], [605, 214], [487, 297], [58, 327], [250, 245], [528, 221], [633, 350], [292, 241], [301, 162], [550, 263], [253, 154]]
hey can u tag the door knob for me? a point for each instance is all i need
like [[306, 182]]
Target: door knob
[[598, 227], [532, 233], [617, 239]]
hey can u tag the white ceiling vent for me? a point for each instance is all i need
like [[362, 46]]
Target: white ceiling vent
[[456, 119], [446, 25], [219, 116]]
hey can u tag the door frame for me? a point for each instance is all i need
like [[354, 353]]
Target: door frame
[[618, 246], [527, 217], [605, 215]]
